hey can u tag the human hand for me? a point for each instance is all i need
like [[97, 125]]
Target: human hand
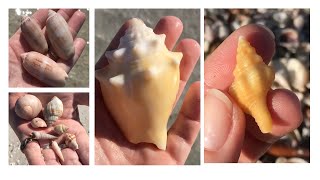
[[111, 147], [18, 76], [230, 136], [34, 151]]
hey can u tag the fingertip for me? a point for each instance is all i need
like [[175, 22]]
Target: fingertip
[[172, 27]]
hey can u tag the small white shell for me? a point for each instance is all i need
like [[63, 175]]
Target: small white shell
[[71, 141], [299, 75], [38, 123], [28, 107], [57, 150], [39, 135], [53, 110]]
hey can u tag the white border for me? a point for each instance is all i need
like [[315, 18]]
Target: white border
[[212, 171]]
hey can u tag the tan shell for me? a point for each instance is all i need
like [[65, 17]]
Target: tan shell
[[60, 36], [40, 135], [28, 106], [57, 150], [60, 128], [32, 33], [44, 69], [38, 123], [140, 84], [53, 110], [252, 81], [71, 141]]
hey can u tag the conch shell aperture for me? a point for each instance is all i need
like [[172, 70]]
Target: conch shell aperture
[[140, 84], [253, 80]]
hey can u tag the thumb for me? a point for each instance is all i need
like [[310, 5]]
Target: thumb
[[224, 128]]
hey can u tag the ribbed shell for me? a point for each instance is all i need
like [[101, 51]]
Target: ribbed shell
[[53, 110], [252, 81]]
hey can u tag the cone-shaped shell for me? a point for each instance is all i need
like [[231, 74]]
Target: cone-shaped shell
[[31, 32], [71, 141], [53, 110], [60, 36], [252, 81], [40, 135], [57, 150], [140, 84], [60, 128], [38, 123], [44, 68], [28, 106]]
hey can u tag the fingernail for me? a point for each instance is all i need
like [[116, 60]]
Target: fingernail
[[217, 119], [267, 29]]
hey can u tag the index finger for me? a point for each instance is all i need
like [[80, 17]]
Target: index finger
[[219, 66]]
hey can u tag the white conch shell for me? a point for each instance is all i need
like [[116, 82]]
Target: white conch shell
[[53, 110], [57, 150], [28, 107], [38, 123], [39, 135], [140, 84], [60, 128], [71, 141]]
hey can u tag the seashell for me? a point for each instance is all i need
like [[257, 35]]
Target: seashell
[[252, 81], [53, 110], [44, 68], [57, 150], [140, 84], [71, 141], [60, 36], [60, 129], [299, 75], [32, 33], [28, 107], [38, 123], [39, 135]]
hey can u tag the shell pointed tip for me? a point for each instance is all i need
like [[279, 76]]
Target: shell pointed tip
[[23, 56]]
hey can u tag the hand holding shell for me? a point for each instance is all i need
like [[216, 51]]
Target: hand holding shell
[[253, 79]]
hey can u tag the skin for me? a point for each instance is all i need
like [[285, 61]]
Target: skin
[[111, 147], [34, 152], [18, 76], [245, 142]]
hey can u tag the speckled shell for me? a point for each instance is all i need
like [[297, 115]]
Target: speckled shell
[[44, 69], [38, 123], [60, 128], [71, 141], [60, 36], [28, 106], [39, 135], [252, 81], [57, 150], [32, 33], [53, 110], [140, 84]]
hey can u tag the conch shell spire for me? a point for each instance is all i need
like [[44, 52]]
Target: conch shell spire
[[253, 80], [140, 84]]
